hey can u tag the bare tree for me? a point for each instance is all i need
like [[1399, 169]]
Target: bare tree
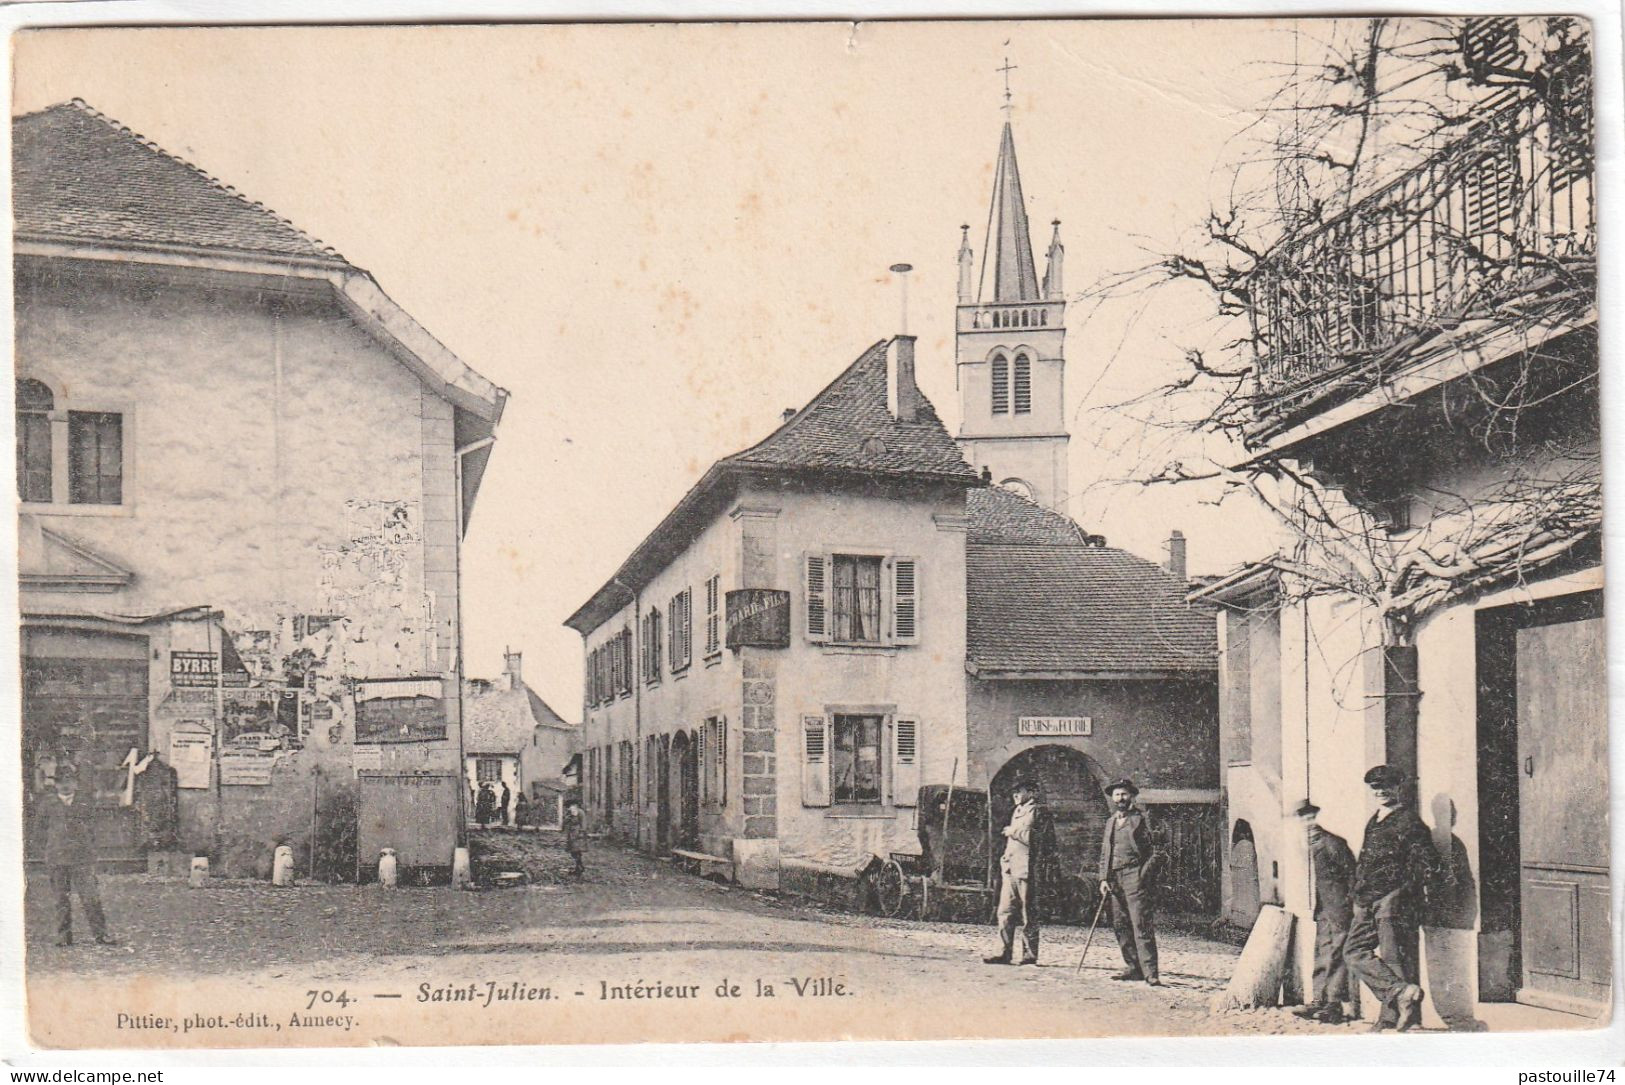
[[1409, 183]]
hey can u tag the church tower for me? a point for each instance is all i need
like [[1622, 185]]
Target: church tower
[[1009, 349]]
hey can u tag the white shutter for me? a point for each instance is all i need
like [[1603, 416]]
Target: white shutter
[[817, 596], [814, 761], [905, 601], [905, 761]]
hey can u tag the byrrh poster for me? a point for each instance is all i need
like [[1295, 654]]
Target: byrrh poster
[[577, 533]]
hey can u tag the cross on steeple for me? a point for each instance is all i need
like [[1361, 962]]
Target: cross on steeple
[[1007, 69]]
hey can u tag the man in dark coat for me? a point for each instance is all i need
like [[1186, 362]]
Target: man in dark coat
[[1332, 866], [1029, 843], [485, 806], [1129, 861], [1398, 864], [68, 834], [502, 803]]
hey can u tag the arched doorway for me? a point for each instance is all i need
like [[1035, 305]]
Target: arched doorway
[[684, 791], [1069, 784], [1244, 890]]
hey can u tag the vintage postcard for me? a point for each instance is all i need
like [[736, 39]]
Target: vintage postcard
[[559, 534]]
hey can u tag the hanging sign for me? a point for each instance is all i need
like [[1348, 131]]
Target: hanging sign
[[1055, 726], [758, 618]]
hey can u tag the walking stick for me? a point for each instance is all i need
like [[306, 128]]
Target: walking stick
[[1087, 942]]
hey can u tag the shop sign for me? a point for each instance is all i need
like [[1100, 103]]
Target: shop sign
[[758, 618], [400, 710], [1055, 726], [194, 669]]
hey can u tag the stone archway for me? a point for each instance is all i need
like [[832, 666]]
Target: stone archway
[[1069, 782]]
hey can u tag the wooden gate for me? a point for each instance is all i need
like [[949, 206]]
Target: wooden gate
[[1563, 813], [1188, 834]]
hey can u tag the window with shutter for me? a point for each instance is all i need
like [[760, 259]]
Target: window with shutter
[[905, 601], [713, 615], [35, 401], [814, 761], [817, 596], [1001, 384], [95, 458], [1023, 391], [719, 754], [905, 761]]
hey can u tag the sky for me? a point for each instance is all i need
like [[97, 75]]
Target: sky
[[657, 237]]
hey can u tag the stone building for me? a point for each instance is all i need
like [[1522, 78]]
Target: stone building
[[244, 477], [776, 669], [512, 737], [1450, 400]]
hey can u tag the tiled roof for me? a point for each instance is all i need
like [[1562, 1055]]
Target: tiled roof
[[1080, 609], [502, 720], [80, 176], [848, 427], [998, 515]]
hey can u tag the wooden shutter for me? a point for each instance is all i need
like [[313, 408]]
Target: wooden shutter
[[719, 752], [814, 761], [817, 596], [905, 761], [705, 777], [905, 601]]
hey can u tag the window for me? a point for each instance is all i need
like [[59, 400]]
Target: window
[[855, 601], [35, 401], [713, 741], [1023, 385], [488, 770], [681, 631], [626, 773], [95, 458], [713, 616], [855, 759], [651, 645], [1001, 385]]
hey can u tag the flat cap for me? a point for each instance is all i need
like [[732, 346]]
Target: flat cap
[[1384, 774]]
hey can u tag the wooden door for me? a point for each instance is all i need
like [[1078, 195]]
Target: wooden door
[[1563, 813]]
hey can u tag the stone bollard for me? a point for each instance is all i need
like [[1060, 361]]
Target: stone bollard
[[460, 876], [282, 866], [388, 870], [200, 871]]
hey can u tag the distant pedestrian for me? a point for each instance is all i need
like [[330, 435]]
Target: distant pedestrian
[[485, 808], [68, 831], [575, 833], [1029, 842], [521, 811], [1129, 861], [1332, 866], [502, 803], [1397, 866]]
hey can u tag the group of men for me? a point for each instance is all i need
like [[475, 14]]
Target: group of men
[[1367, 911]]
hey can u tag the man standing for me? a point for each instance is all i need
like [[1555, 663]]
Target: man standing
[[503, 803], [68, 830], [1028, 842], [575, 830], [1332, 865], [1128, 868], [1397, 866]]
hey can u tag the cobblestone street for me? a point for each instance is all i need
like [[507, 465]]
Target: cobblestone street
[[632, 922]]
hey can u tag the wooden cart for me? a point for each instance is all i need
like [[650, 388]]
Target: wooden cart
[[950, 877]]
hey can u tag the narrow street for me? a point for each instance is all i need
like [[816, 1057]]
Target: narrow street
[[262, 957]]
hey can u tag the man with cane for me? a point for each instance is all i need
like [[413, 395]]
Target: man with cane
[[1128, 867]]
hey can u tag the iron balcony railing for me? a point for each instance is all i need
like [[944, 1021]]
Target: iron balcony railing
[[1505, 208]]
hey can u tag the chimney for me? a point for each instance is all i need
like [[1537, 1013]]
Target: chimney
[[512, 676], [786, 414], [1176, 553], [903, 396]]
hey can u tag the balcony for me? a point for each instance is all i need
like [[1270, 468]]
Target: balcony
[[1503, 214]]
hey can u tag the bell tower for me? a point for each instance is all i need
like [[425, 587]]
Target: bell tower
[[1010, 348]]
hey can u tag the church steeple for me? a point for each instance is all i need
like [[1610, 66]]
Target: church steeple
[[1010, 246]]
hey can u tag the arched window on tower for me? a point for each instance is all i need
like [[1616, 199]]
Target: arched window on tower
[[35, 401], [1024, 384], [1001, 384]]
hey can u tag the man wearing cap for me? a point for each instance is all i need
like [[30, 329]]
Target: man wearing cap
[[1028, 844], [68, 832], [1397, 865], [1332, 864], [1128, 869]]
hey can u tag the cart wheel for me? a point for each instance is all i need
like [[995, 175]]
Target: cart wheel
[[890, 888]]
